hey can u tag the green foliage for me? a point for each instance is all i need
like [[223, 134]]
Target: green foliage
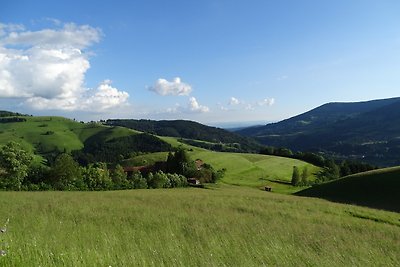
[[329, 173], [138, 181], [119, 178], [102, 149], [304, 176], [66, 174], [158, 180], [295, 176], [180, 163], [14, 166], [97, 177]]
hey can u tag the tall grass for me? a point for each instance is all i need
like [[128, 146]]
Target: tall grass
[[223, 226]]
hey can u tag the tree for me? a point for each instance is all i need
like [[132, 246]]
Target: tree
[[295, 176], [180, 163], [304, 176], [139, 182], [97, 177], [66, 173], [14, 165], [119, 177], [158, 180]]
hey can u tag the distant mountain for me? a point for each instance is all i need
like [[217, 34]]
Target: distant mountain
[[212, 137], [363, 130]]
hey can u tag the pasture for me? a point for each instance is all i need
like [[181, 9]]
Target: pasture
[[220, 226]]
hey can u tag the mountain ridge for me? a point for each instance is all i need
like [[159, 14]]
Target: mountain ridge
[[365, 130]]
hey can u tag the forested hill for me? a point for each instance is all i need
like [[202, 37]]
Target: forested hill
[[190, 130], [4, 113], [364, 130]]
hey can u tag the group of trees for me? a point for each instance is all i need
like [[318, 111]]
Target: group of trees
[[180, 163], [18, 171], [330, 169], [98, 148], [300, 179]]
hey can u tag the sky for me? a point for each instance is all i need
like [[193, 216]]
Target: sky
[[209, 61]]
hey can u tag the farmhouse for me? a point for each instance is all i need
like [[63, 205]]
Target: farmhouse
[[131, 170]]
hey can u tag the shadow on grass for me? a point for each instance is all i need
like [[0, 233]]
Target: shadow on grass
[[376, 189]]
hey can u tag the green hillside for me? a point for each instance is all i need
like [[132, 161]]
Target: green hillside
[[377, 189], [43, 135], [222, 226], [243, 169], [193, 133]]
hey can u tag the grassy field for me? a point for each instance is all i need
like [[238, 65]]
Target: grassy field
[[222, 226], [377, 189], [253, 169]]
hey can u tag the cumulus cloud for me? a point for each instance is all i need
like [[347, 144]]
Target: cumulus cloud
[[267, 102], [175, 87], [105, 96], [234, 101], [194, 106], [47, 68]]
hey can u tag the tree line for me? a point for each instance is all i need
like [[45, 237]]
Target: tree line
[[330, 169], [18, 171]]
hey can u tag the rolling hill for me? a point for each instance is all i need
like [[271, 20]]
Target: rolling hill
[[193, 133], [242, 169], [376, 189], [368, 131], [50, 135]]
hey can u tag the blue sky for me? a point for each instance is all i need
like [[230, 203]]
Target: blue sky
[[209, 61]]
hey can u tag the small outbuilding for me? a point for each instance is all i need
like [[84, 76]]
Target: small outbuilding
[[268, 188]]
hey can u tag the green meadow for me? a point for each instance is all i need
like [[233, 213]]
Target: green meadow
[[253, 170], [220, 226]]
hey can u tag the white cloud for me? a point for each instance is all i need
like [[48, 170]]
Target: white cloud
[[234, 101], [175, 87], [100, 99], [4, 28], [69, 35], [267, 102], [194, 106], [47, 68], [105, 97]]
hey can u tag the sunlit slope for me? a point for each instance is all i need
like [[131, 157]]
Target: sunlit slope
[[241, 169], [378, 189], [46, 134], [252, 169]]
